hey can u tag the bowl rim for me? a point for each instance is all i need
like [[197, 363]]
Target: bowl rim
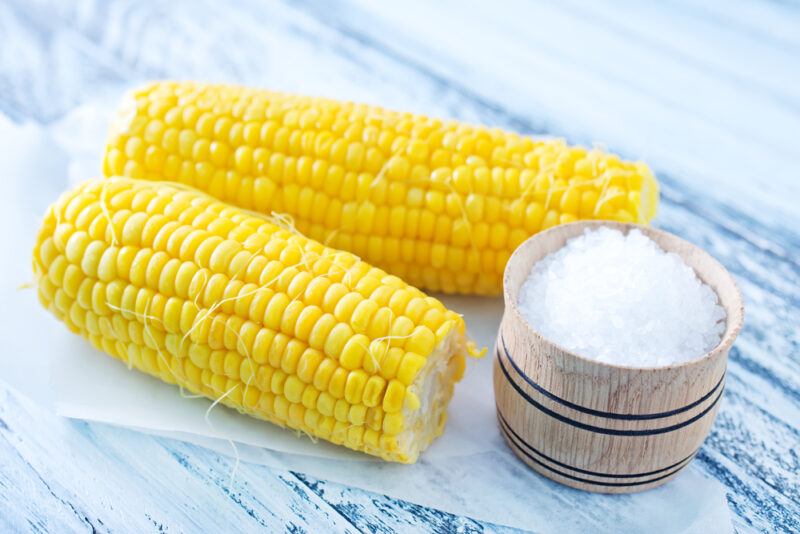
[[736, 313]]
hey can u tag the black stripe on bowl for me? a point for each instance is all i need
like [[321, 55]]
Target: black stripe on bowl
[[522, 445], [505, 424], [598, 429], [599, 413]]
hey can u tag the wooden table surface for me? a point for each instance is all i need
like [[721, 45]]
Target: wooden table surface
[[708, 93]]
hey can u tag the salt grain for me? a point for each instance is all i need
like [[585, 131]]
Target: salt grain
[[622, 300]]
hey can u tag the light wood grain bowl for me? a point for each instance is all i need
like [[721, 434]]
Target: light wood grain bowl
[[594, 426]]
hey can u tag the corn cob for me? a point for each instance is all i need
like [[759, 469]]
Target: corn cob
[[231, 306], [440, 204]]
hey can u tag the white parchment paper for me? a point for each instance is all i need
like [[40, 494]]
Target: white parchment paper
[[468, 471]]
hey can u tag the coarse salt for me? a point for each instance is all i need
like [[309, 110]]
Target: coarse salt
[[622, 300]]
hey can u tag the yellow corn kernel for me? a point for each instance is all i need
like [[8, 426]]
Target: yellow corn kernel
[[371, 439], [308, 364], [310, 396], [280, 407], [354, 351], [392, 424], [458, 364], [381, 320], [264, 378], [388, 444], [311, 418], [273, 314], [338, 381], [412, 401], [290, 318], [344, 308], [393, 399], [373, 391], [339, 432], [278, 382], [357, 414], [401, 331], [324, 372], [316, 289], [320, 331], [374, 419], [291, 355], [390, 362], [293, 388], [409, 367], [325, 403], [325, 428], [355, 437], [362, 314], [261, 345], [354, 387], [338, 337], [232, 364], [306, 321], [341, 410], [422, 340], [277, 350]]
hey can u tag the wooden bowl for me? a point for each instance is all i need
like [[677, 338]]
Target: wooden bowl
[[601, 427]]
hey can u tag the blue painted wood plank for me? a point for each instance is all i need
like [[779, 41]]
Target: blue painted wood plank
[[600, 84], [67, 475], [703, 91], [61, 475]]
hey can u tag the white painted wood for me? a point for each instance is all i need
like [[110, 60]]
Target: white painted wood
[[704, 91]]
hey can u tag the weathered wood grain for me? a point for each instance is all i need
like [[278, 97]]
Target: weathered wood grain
[[89, 487], [706, 92], [60, 475]]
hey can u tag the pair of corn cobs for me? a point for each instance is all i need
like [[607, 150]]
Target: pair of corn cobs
[[206, 279]]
